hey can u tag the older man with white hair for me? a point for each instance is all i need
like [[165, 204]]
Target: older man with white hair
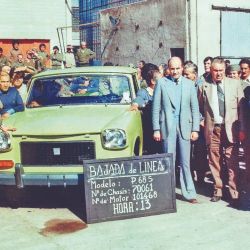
[[84, 55]]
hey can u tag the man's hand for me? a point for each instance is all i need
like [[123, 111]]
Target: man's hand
[[242, 136], [202, 123], [82, 91], [34, 104], [157, 136], [133, 107], [194, 136], [5, 129], [5, 115]]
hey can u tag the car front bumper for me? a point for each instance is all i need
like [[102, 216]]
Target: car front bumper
[[20, 179]]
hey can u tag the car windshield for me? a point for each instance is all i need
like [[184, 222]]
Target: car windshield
[[81, 89]]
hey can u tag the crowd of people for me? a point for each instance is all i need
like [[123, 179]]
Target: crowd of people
[[17, 68], [201, 120]]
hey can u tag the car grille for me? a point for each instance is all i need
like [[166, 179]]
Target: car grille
[[56, 153]]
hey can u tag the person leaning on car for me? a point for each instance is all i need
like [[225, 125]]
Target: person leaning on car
[[9, 97]]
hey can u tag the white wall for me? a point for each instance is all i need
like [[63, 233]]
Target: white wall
[[34, 19], [205, 28]]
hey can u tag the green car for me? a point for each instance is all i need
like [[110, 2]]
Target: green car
[[71, 115]]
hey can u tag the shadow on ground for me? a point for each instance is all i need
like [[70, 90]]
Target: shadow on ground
[[41, 197]]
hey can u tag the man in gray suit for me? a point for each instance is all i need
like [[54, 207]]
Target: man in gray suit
[[176, 120]]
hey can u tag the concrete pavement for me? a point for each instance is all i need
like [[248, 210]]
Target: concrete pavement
[[205, 225]]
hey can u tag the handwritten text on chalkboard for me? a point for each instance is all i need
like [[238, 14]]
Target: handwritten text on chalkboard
[[138, 186]]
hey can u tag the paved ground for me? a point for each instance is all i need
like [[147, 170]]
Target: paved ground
[[39, 225]]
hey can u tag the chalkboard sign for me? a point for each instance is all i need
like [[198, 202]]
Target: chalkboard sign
[[129, 187]]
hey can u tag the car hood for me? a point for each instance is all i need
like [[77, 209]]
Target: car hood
[[68, 120]]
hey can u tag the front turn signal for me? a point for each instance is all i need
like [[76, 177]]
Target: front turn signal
[[6, 164]]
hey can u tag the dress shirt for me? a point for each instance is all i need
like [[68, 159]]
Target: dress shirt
[[215, 103]]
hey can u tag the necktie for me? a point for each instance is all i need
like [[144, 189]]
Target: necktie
[[176, 80], [221, 99]]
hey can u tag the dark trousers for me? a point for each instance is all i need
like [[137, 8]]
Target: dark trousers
[[78, 64], [199, 157]]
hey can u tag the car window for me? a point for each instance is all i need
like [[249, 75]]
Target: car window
[[82, 89]]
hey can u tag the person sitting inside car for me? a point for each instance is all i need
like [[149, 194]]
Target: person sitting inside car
[[44, 93], [82, 85], [10, 98]]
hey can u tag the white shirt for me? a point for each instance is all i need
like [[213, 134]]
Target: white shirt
[[215, 103], [247, 80], [23, 91], [70, 60]]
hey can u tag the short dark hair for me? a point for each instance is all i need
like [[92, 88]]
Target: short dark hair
[[147, 67], [207, 59], [42, 45], [15, 42], [246, 61], [1, 50], [143, 62], [56, 47]]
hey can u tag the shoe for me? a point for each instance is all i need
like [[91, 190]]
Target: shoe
[[235, 203], [193, 201], [215, 198]]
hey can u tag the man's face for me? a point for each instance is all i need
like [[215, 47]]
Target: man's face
[[4, 83], [207, 66], [16, 46], [175, 69], [20, 58], [189, 74], [245, 71], [83, 45], [217, 72], [234, 74], [140, 65], [86, 83], [42, 49], [18, 79]]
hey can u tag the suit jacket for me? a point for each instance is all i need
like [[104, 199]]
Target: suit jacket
[[164, 105], [246, 116], [233, 108]]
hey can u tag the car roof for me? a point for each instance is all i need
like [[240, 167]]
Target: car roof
[[91, 69]]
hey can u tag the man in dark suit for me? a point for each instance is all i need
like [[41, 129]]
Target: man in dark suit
[[221, 104], [176, 119]]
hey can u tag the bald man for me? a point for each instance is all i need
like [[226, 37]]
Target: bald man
[[176, 119]]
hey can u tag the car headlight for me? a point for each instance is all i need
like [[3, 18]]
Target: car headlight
[[4, 141], [114, 138]]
